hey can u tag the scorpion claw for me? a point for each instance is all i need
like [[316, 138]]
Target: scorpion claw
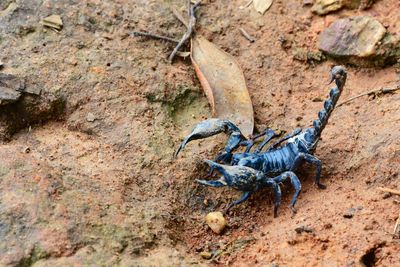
[[212, 127], [203, 182]]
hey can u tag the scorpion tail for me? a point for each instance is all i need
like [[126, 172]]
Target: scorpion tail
[[339, 75]]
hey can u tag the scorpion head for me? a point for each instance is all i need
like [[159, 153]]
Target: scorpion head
[[339, 75]]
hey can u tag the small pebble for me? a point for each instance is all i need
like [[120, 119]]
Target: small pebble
[[349, 213], [53, 21], [216, 221], [308, 2], [90, 117], [206, 255], [386, 195], [303, 228]]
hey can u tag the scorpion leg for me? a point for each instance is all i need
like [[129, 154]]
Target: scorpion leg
[[269, 134], [286, 137], [312, 160], [248, 144], [215, 183], [277, 192], [277, 201], [235, 140], [243, 198], [295, 183]]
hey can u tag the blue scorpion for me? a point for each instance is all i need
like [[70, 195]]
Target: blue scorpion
[[251, 171]]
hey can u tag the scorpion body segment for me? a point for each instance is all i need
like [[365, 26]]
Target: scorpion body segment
[[248, 181]]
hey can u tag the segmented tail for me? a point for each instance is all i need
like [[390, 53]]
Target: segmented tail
[[339, 75]]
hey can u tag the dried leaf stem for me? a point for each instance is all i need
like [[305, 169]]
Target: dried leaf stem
[[179, 16], [247, 36], [189, 29], [388, 190], [190, 26], [155, 36], [375, 91]]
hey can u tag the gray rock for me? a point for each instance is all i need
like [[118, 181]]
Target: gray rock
[[10, 88], [303, 228], [53, 21], [350, 212], [29, 109], [354, 36], [8, 95], [322, 7], [34, 90], [90, 117]]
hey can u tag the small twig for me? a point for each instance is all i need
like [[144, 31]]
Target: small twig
[[392, 191], [375, 91], [155, 36], [247, 36], [190, 28], [179, 16], [396, 232], [246, 5]]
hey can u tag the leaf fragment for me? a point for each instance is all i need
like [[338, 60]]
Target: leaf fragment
[[53, 21], [262, 6], [224, 84]]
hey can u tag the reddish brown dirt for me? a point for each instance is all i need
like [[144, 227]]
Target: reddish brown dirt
[[107, 192]]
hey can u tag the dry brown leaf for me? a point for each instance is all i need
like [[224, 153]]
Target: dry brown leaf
[[224, 84], [262, 5]]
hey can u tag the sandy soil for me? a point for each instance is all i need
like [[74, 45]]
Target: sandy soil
[[100, 186]]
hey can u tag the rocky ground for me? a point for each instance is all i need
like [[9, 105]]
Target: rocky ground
[[90, 117]]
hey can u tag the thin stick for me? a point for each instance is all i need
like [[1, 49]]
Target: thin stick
[[249, 3], [179, 16], [190, 29], [392, 191], [381, 90], [155, 36], [246, 5], [247, 36], [396, 232]]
